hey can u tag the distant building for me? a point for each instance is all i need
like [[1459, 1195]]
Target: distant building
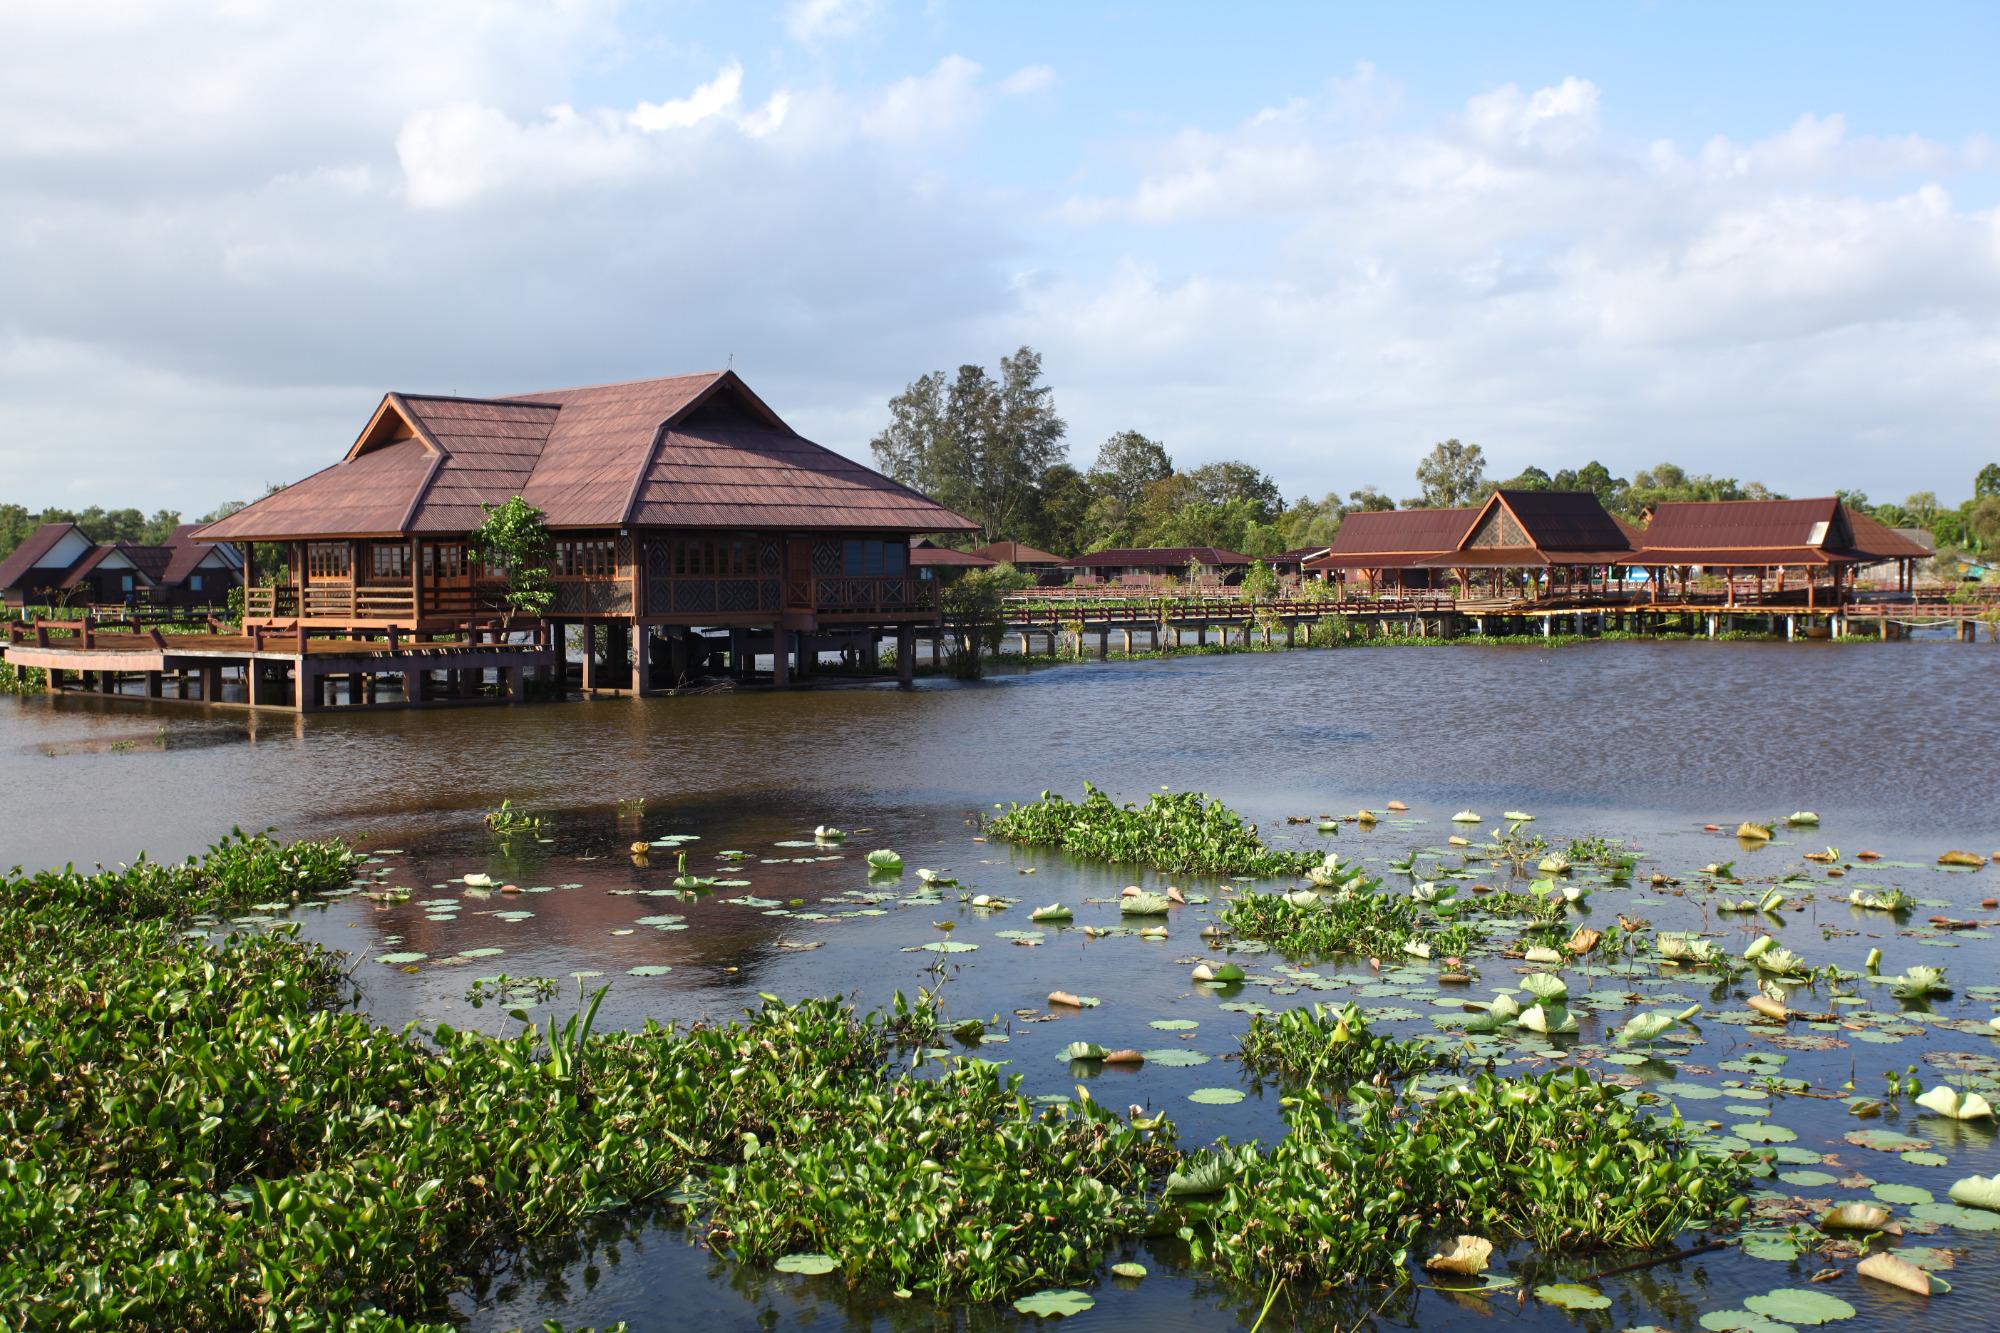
[[1153, 564], [60, 565]]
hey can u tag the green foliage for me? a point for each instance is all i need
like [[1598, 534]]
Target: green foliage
[[506, 822], [1259, 583], [514, 537], [1357, 920], [1561, 1160], [1172, 831], [1331, 1046], [972, 604], [1451, 474], [954, 1186], [31, 680]]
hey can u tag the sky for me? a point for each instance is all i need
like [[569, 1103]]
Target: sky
[[1758, 240]]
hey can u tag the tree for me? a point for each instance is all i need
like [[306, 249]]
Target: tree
[[1987, 482], [1232, 480], [979, 445], [1126, 464], [1922, 507], [1982, 522], [1595, 478], [1259, 583], [1061, 520], [1366, 500], [972, 603], [1529, 478], [1451, 474], [514, 537]]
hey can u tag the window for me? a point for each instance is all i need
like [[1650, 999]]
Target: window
[[713, 558], [444, 560], [862, 559], [591, 558], [392, 562], [327, 560], [194, 583]]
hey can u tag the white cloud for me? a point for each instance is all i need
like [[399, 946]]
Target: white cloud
[[1028, 80], [819, 20], [922, 106], [711, 99]]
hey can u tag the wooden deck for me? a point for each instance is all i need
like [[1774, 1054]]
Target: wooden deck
[[288, 672]]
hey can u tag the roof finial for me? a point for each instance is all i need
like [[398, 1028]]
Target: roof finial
[[730, 364]]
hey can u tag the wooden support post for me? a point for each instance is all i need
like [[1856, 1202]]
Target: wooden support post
[[906, 655], [154, 688], [642, 661], [1104, 643], [1128, 642], [306, 687], [514, 678], [781, 654], [413, 685], [589, 628]]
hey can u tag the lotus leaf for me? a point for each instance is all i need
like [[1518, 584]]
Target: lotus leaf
[[1572, 1296], [1218, 972], [1792, 1305], [1055, 1304], [1205, 1172], [1555, 863], [1467, 1255], [1978, 1192], [1083, 1050], [884, 860], [1129, 1270], [1545, 986], [1750, 832], [1465, 817], [1961, 859], [1802, 819], [828, 833], [1947, 1101], [1855, 1217], [1149, 904], [1551, 1020], [1645, 1027], [1053, 912], [809, 1264], [1886, 1267]]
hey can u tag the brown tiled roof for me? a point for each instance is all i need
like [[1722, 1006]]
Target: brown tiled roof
[[32, 548], [140, 557], [184, 555], [152, 561], [926, 554], [1169, 557], [1694, 526], [1564, 520], [1386, 538], [1878, 541], [1018, 554], [688, 451]]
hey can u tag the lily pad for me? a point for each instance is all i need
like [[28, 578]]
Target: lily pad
[[1055, 1304], [1216, 1096], [1794, 1305], [812, 1265], [1572, 1296]]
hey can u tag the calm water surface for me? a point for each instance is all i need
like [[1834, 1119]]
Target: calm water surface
[[1890, 743]]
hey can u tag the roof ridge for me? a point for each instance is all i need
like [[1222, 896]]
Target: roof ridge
[[611, 384]]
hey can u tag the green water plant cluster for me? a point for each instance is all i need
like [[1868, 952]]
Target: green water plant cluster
[[1182, 831], [1562, 1160], [1358, 920], [1330, 1045]]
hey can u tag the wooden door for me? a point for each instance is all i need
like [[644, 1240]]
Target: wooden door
[[445, 574], [799, 573]]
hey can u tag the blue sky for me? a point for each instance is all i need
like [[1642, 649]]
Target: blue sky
[[1758, 240]]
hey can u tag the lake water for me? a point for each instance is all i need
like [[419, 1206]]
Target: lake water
[[1890, 743]]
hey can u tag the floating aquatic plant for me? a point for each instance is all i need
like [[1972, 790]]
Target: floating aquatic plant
[[885, 861], [1172, 831]]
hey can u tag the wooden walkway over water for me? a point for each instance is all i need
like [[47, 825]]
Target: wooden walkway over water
[[288, 671]]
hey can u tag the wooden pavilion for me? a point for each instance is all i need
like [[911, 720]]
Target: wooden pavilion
[[1807, 551], [690, 524], [1555, 543], [1382, 547]]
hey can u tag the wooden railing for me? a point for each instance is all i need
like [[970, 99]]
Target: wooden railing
[[895, 592]]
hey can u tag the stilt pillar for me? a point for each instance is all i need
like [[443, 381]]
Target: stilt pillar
[[642, 661], [906, 655]]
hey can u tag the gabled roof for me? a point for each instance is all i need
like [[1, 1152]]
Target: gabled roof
[[925, 553], [1760, 532], [83, 568], [1558, 520], [185, 555], [29, 553], [1166, 556], [1878, 541], [687, 451], [1391, 538], [1019, 554]]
